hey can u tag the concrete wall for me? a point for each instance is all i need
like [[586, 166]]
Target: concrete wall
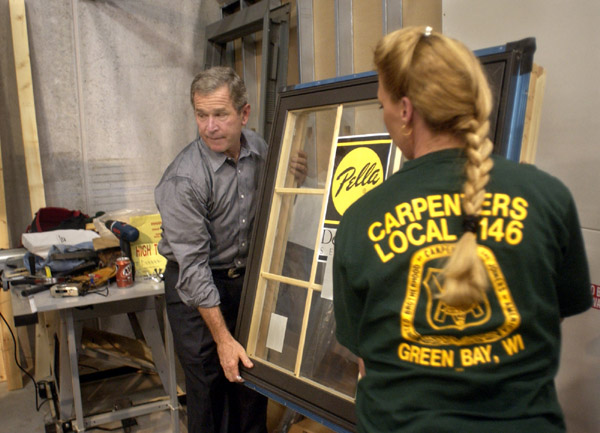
[[567, 47], [111, 85]]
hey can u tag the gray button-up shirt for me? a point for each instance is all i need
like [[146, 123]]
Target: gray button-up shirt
[[207, 204]]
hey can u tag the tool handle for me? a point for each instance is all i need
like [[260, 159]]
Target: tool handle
[[20, 281], [34, 289]]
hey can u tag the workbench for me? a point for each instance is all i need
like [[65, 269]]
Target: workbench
[[144, 300]]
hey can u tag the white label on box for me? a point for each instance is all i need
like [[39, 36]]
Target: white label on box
[[276, 334], [327, 291]]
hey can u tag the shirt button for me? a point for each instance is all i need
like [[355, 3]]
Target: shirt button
[[241, 195], [243, 244], [243, 220]]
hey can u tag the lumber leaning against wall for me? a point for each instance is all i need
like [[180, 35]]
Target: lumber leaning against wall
[[3, 245], [33, 163], [35, 182]]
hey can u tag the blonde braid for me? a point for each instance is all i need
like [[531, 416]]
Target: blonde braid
[[465, 277], [448, 88]]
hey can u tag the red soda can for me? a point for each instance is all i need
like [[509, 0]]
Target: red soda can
[[124, 272]]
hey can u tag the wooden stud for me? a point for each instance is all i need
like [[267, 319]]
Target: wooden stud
[[324, 37], [2, 369], [4, 244], [533, 114], [13, 374], [4, 363], [367, 32], [422, 13], [33, 164], [45, 329]]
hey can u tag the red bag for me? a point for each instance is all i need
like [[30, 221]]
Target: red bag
[[57, 218]]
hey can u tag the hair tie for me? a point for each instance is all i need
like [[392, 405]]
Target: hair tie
[[428, 31], [470, 223]]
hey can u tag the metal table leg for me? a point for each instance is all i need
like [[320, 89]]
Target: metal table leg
[[172, 376], [74, 369], [163, 355]]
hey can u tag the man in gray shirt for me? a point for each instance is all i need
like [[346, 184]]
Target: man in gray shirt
[[207, 199]]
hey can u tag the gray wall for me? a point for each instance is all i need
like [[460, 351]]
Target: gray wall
[[567, 47], [111, 85]]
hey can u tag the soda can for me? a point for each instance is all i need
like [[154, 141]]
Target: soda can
[[124, 272]]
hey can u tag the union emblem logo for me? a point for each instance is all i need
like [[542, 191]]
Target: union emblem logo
[[438, 320], [443, 316]]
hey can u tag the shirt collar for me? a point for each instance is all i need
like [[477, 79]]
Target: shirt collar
[[454, 154], [217, 159]]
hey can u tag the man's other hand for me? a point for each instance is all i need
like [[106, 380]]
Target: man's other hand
[[299, 166]]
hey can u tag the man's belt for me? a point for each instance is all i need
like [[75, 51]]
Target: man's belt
[[231, 273]]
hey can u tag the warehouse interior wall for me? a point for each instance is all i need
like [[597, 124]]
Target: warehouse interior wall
[[567, 39], [111, 86]]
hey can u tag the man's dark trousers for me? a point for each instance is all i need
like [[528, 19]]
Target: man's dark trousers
[[214, 405]]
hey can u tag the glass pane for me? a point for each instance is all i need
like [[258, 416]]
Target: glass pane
[[324, 360], [296, 234], [312, 134], [362, 118], [279, 333]]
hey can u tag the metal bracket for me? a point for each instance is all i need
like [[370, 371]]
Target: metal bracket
[[273, 20]]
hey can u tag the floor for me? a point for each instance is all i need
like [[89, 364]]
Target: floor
[[19, 414], [99, 395]]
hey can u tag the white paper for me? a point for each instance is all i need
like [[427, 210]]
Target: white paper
[[327, 290], [276, 334], [32, 305], [41, 242]]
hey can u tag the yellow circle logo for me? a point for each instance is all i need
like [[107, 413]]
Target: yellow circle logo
[[359, 172]]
